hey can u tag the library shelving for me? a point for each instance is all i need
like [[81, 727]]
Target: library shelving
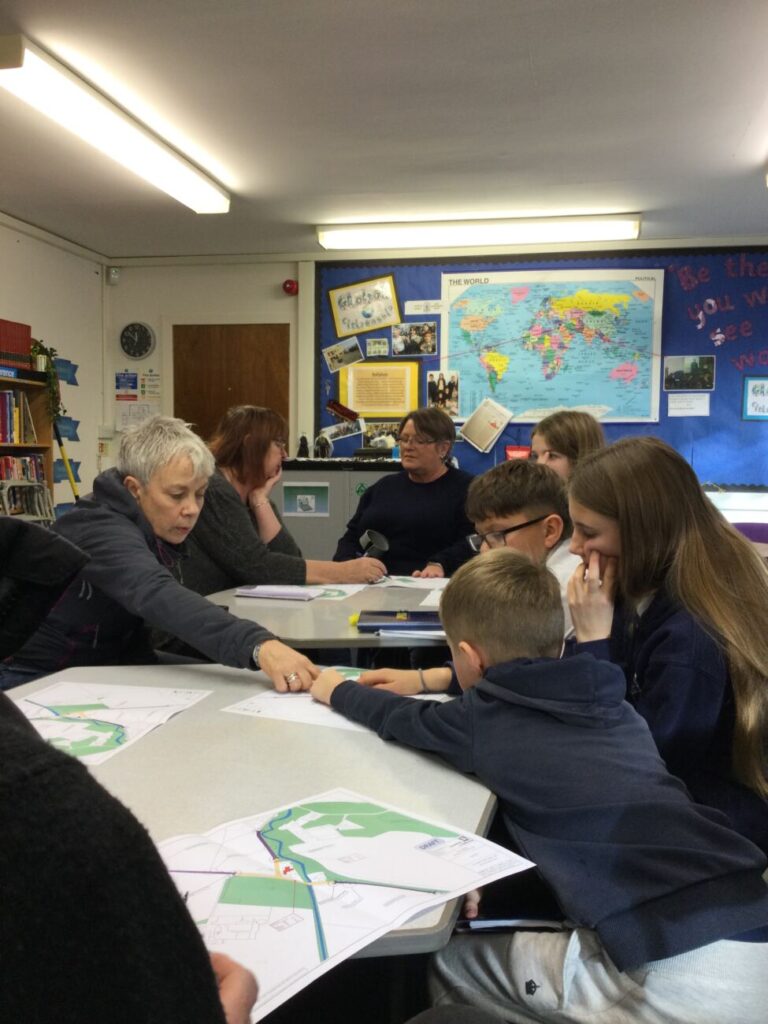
[[26, 444]]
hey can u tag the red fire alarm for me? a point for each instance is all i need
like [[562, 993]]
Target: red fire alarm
[[291, 287]]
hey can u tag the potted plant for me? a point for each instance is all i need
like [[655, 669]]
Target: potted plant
[[43, 358]]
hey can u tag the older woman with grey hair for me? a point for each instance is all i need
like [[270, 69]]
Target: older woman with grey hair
[[133, 527]]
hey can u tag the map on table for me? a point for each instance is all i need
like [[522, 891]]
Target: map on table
[[537, 341], [303, 709], [293, 891], [93, 721]]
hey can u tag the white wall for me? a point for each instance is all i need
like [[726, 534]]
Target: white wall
[[59, 294], [162, 296]]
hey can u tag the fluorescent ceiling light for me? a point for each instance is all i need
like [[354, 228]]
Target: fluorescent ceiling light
[[445, 234], [49, 87]]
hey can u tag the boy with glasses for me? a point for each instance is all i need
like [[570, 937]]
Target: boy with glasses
[[517, 504]]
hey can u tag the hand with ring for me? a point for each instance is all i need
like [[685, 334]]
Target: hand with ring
[[288, 670]]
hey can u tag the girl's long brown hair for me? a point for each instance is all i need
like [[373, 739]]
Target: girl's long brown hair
[[671, 534]]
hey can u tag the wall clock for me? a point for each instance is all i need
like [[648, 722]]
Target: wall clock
[[137, 340]]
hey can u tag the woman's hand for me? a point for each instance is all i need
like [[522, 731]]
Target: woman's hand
[[260, 495], [432, 570], [361, 570], [238, 989], [591, 599], [288, 670]]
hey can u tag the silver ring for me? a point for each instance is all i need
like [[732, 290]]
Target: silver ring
[[291, 677]]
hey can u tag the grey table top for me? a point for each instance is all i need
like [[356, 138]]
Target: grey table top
[[204, 767], [320, 623]]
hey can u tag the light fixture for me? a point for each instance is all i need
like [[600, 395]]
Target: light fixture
[[49, 87], [446, 234]]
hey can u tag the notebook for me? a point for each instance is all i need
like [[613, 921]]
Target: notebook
[[280, 592], [402, 621]]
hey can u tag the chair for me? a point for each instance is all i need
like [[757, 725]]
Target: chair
[[756, 532]]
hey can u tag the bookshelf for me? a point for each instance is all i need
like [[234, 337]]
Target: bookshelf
[[26, 444]]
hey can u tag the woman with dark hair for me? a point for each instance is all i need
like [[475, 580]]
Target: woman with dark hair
[[674, 594], [563, 438], [239, 538], [421, 510]]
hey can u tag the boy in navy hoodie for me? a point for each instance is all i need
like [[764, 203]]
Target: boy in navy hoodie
[[666, 908]]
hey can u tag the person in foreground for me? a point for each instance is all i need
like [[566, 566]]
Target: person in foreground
[[92, 951], [665, 905], [562, 439], [420, 511], [679, 599], [520, 505], [240, 538], [134, 527]]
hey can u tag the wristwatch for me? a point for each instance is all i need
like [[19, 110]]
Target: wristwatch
[[255, 655]]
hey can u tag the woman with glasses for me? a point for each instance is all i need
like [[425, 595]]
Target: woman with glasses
[[562, 439], [420, 511], [240, 538]]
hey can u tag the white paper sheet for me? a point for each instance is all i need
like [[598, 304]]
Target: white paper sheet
[[93, 721], [293, 891]]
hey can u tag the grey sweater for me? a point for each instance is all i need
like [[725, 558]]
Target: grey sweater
[[127, 585], [224, 550]]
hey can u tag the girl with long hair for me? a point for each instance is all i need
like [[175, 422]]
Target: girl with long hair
[[562, 439], [673, 593]]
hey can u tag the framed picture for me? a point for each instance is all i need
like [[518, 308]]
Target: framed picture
[[380, 390], [364, 306], [306, 499], [755, 405]]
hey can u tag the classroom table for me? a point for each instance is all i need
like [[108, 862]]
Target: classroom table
[[205, 767], [320, 623]]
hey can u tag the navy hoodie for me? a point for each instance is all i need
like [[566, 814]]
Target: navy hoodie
[[677, 678], [586, 797]]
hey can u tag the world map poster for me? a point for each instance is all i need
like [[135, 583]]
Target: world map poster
[[538, 341]]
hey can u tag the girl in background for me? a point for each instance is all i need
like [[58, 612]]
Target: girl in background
[[676, 596], [562, 439]]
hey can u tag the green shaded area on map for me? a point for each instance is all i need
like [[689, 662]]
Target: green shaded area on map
[[369, 821], [266, 892]]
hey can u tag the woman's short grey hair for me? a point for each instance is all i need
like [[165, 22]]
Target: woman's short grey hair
[[157, 441]]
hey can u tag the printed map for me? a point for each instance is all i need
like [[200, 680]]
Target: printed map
[[293, 891], [92, 721], [537, 341]]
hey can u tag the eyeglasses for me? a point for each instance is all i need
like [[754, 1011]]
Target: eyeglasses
[[282, 445], [496, 538], [414, 439]]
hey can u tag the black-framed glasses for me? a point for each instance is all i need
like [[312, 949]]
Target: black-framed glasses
[[497, 538], [414, 439]]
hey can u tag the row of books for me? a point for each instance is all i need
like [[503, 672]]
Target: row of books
[[16, 423], [26, 499], [22, 467]]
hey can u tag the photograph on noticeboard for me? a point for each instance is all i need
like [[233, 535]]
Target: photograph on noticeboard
[[689, 373], [414, 339], [443, 390]]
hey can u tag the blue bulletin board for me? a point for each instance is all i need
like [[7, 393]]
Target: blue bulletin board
[[713, 335]]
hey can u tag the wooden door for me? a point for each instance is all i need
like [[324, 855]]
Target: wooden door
[[219, 365]]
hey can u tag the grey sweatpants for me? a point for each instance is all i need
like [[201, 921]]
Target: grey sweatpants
[[568, 977]]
